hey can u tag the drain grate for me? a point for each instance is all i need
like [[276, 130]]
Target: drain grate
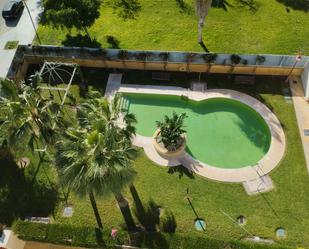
[[68, 211], [241, 220], [280, 232], [306, 132]]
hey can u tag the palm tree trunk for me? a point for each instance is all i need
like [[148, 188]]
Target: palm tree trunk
[[202, 8], [200, 30], [125, 210], [95, 209], [86, 31]]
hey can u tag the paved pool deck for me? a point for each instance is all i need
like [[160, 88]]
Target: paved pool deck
[[254, 177], [301, 107]]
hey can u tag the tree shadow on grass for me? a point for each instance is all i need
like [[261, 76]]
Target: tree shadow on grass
[[80, 41], [223, 4], [148, 214], [203, 46], [184, 7], [296, 4], [251, 5], [181, 171], [112, 42], [152, 240], [151, 217], [19, 196], [149, 238]]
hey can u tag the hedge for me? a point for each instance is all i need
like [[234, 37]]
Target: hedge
[[157, 240], [64, 234], [93, 238]]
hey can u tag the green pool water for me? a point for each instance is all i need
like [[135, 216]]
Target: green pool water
[[220, 132]]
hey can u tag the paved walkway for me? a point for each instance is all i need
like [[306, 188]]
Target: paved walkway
[[10, 241], [37, 245], [252, 175], [301, 107], [22, 32], [113, 85]]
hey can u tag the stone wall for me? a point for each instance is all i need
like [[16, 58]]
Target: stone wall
[[305, 81], [159, 60]]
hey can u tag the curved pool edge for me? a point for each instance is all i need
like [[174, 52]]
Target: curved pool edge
[[270, 160]]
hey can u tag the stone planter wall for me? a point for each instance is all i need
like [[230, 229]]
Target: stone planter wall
[[165, 152]]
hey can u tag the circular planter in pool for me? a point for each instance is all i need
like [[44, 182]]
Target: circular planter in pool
[[165, 152]]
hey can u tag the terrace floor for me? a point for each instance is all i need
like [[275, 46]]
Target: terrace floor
[[167, 186], [254, 178], [302, 114]]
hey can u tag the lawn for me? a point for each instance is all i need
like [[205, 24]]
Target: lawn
[[286, 206], [163, 25]]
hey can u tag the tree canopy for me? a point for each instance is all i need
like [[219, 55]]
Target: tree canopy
[[78, 14], [126, 9], [27, 117], [95, 157]]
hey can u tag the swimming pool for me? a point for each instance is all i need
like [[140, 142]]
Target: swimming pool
[[221, 132]]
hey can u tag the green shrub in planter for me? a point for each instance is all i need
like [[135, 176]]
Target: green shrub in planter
[[245, 62], [171, 129], [164, 56], [123, 54], [260, 59], [236, 59], [209, 58]]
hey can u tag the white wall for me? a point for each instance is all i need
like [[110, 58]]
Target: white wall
[[305, 80]]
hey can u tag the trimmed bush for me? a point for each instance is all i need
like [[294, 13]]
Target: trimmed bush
[[93, 238], [251, 245], [64, 234], [179, 241], [236, 59], [30, 231]]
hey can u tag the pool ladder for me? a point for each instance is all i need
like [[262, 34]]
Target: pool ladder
[[124, 103]]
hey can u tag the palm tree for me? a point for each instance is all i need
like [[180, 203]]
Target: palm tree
[[202, 8], [96, 156], [27, 117]]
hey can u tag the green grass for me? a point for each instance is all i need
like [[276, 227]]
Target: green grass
[[286, 206], [11, 45], [161, 25]]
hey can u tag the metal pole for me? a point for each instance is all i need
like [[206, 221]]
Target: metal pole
[[297, 59], [36, 33], [193, 209]]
